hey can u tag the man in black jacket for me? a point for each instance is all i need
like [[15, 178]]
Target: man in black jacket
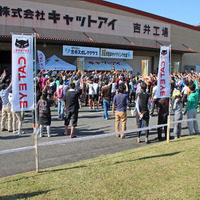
[[71, 107], [163, 112], [142, 114]]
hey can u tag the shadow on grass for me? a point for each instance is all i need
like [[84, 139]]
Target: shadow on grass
[[184, 136], [23, 195], [149, 157], [43, 172], [58, 170]]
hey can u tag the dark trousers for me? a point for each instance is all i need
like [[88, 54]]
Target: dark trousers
[[155, 102], [144, 121], [132, 97], [86, 100], [184, 99], [162, 120]]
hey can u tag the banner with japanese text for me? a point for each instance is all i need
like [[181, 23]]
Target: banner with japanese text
[[41, 59], [80, 51], [116, 53], [163, 84], [22, 73]]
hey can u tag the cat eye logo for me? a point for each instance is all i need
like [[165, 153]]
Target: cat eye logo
[[22, 43], [164, 52], [22, 46]]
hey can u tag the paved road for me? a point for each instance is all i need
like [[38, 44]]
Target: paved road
[[90, 123]]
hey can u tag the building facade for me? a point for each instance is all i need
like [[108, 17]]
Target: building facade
[[102, 25]]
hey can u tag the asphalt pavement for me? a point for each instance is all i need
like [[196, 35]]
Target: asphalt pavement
[[89, 124]]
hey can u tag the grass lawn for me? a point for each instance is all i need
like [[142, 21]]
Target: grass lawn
[[159, 171]]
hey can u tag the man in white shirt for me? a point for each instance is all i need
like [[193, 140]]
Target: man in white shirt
[[96, 94], [90, 93], [184, 93], [154, 97]]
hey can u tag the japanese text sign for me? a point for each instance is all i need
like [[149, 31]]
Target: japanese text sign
[[57, 17], [80, 51]]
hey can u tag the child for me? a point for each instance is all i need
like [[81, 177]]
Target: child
[[43, 106], [177, 107]]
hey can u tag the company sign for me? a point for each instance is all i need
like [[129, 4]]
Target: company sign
[[80, 51], [68, 18], [115, 53]]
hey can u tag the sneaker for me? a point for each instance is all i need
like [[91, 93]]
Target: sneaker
[[97, 110], [93, 108], [90, 109], [15, 132], [20, 132], [49, 136], [146, 140], [25, 121], [106, 118], [138, 140]]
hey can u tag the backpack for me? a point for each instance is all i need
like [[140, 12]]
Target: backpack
[[43, 107], [60, 92]]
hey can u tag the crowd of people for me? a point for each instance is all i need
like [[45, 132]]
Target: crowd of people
[[69, 91]]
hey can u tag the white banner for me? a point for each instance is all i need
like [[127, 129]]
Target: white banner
[[41, 59], [22, 72], [80, 51], [116, 53], [163, 84]]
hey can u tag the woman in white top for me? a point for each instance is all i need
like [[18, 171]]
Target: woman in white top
[[184, 93], [90, 93], [96, 94]]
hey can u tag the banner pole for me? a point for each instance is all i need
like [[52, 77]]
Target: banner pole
[[35, 96], [168, 126]]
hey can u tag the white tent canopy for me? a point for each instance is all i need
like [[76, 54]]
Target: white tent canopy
[[58, 64], [101, 64]]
